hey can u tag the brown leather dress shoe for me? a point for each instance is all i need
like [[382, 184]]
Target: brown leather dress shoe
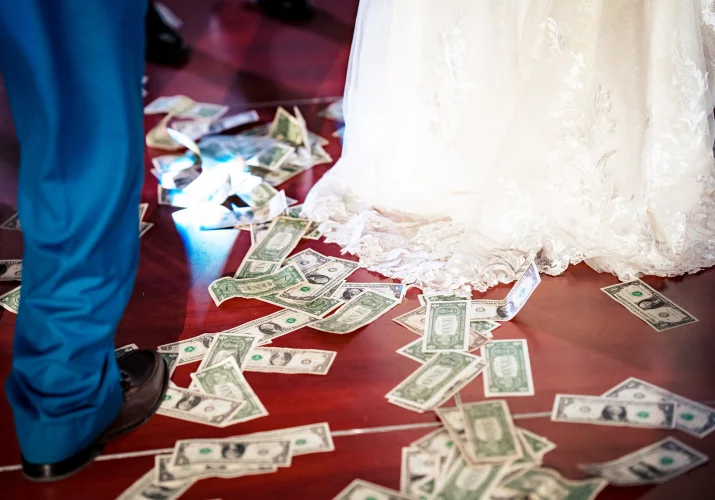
[[145, 378]]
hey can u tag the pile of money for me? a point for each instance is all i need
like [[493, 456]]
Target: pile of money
[[229, 457]]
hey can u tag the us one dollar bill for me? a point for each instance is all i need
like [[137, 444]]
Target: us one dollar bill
[[363, 309], [147, 487], [414, 320], [228, 345], [348, 291], [546, 484], [414, 351], [453, 422], [657, 463], [307, 439], [446, 326], [272, 156], [175, 104], [11, 300], [505, 310], [198, 407], [428, 384], [308, 260], [169, 477], [254, 192], [508, 371], [10, 270], [274, 325], [690, 416], [226, 380], [120, 351], [283, 236], [470, 482], [189, 350], [286, 128], [171, 359], [287, 360], [316, 309], [228, 451], [364, 490], [612, 411], [255, 269], [649, 305], [438, 441], [490, 432], [320, 280], [536, 445], [12, 224], [227, 288], [418, 468], [258, 232]]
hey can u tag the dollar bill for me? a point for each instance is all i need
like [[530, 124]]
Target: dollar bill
[[649, 305], [283, 236], [204, 111], [446, 326], [508, 370], [227, 288], [321, 280], [505, 310], [417, 468], [307, 439], [274, 325], [305, 142], [691, 417], [272, 157], [414, 320], [255, 269], [470, 482], [220, 217], [258, 232], [428, 384], [256, 195], [657, 463], [484, 325], [414, 351], [287, 360], [199, 407], [225, 345], [282, 174], [438, 441], [227, 451], [11, 300], [364, 490], [159, 138], [12, 224], [348, 291], [10, 270], [189, 350], [169, 104], [147, 487], [363, 309], [308, 260], [316, 309], [490, 432], [120, 351], [233, 121], [286, 128], [334, 111], [453, 422], [547, 484], [612, 411], [225, 379], [535, 444], [166, 476], [313, 232], [170, 358]]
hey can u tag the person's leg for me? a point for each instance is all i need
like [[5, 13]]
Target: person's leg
[[73, 71]]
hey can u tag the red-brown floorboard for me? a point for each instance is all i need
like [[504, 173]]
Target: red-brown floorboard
[[580, 341]]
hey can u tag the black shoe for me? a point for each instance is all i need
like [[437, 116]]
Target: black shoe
[[163, 44], [286, 10], [145, 378]]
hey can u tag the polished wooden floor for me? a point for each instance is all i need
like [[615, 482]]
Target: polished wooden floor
[[580, 340]]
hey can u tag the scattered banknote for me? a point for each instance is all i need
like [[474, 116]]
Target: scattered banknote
[[225, 345], [419, 471], [426, 387], [321, 280], [691, 417], [286, 128], [196, 129], [227, 451], [438, 441], [255, 194], [283, 236], [272, 157], [505, 310], [11, 300], [158, 137], [313, 232], [535, 444], [307, 439], [169, 104], [204, 111], [255, 269], [12, 224], [219, 217], [649, 305], [453, 422], [363, 490], [466, 481], [226, 380], [165, 475], [508, 371], [147, 487], [414, 351], [282, 174], [547, 484], [273, 326], [484, 325], [334, 111], [653, 464], [612, 411], [316, 309], [414, 320], [446, 326], [227, 288], [490, 432], [362, 310], [170, 358], [120, 351], [258, 232], [189, 350], [348, 291], [199, 407], [10, 270], [287, 360], [308, 260]]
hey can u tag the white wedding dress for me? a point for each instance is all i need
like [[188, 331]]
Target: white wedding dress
[[482, 134]]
